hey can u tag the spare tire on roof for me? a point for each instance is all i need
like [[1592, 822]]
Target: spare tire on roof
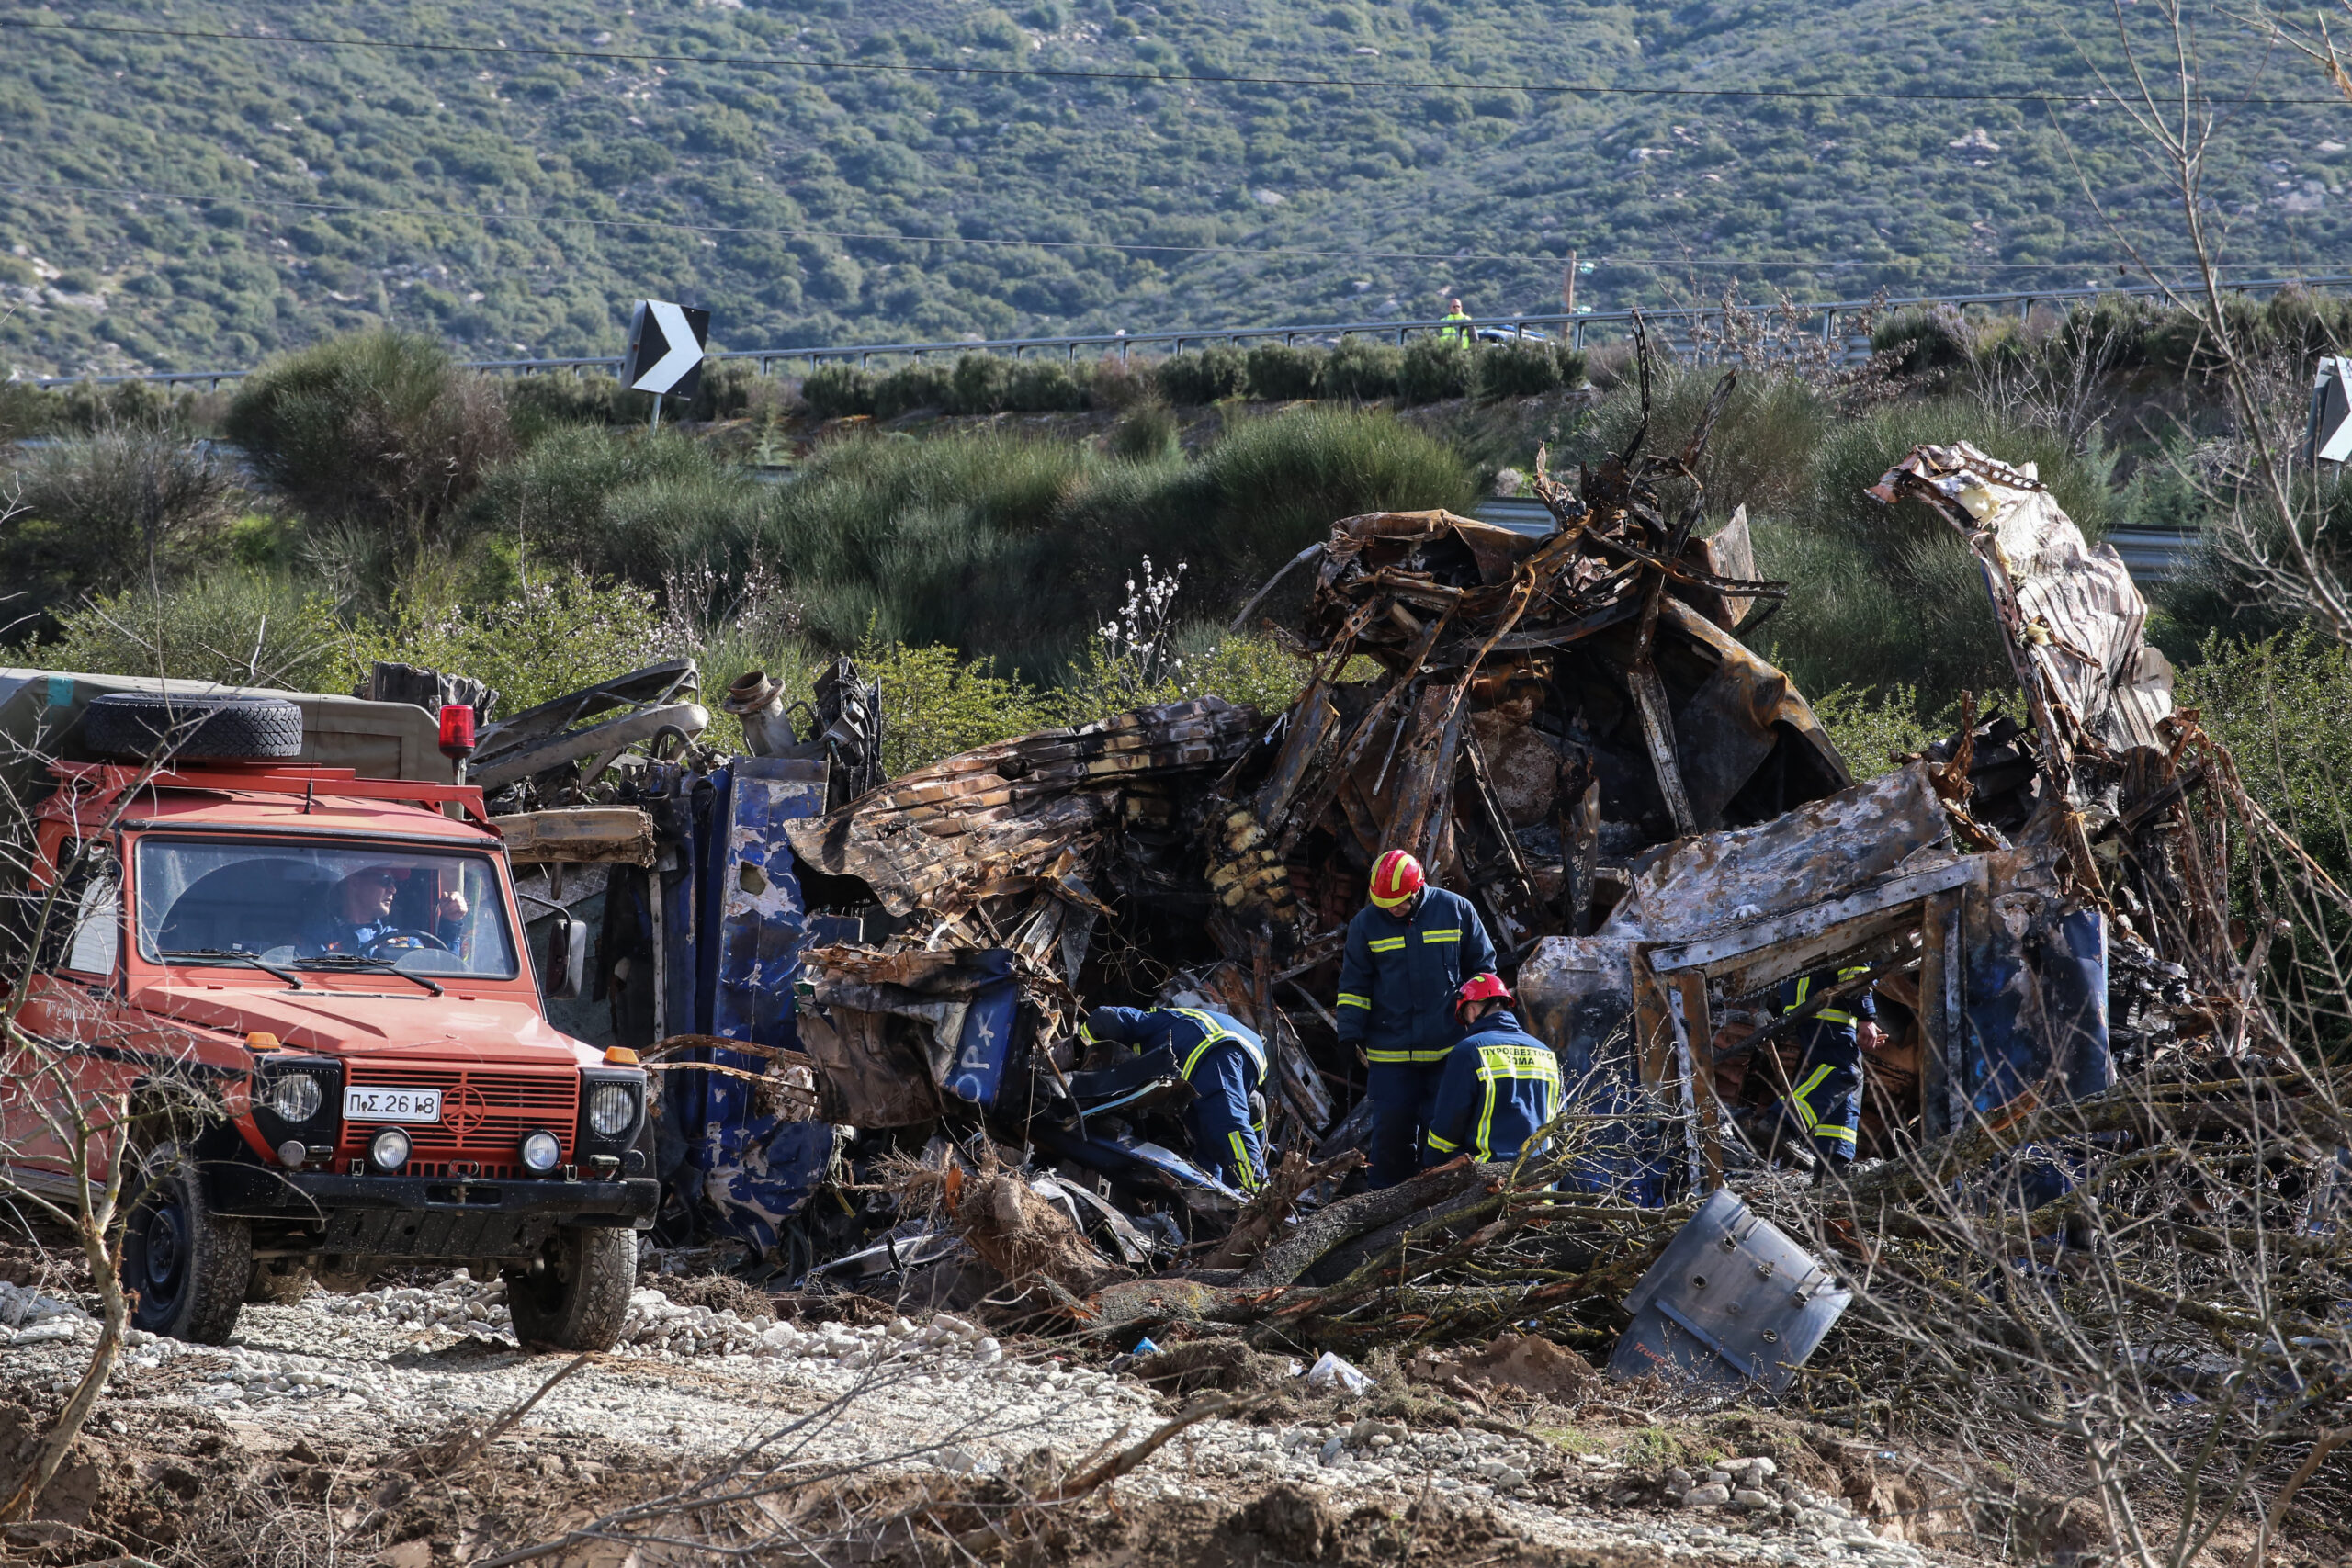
[[147, 725]]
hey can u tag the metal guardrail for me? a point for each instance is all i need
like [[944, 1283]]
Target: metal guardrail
[[1673, 324], [2152, 554]]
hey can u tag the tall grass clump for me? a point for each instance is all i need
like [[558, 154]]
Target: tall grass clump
[[629, 506]]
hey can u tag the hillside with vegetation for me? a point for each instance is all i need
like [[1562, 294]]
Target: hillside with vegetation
[[866, 170]]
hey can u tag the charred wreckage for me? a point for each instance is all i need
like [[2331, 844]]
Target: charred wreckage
[[862, 995]]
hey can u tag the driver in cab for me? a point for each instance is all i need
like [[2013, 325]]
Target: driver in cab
[[359, 915]]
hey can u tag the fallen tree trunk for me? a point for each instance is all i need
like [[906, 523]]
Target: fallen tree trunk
[[1342, 1221]]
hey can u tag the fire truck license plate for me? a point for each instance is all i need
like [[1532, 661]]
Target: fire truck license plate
[[392, 1105]]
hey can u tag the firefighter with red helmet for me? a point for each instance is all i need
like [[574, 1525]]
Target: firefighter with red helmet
[[1500, 1087], [1408, 951]]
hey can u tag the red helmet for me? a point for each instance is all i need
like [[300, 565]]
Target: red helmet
[[1479, 988], [1397, 880]]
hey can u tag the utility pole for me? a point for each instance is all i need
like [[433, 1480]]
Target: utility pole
[[1568, 285]]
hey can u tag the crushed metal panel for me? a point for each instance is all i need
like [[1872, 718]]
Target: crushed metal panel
[[2033, 990], [1731, 1298], [2080, 622], [946, 1018], [578, 835], [1826, 847], [995, 820], [758, 1167], [757, 920]]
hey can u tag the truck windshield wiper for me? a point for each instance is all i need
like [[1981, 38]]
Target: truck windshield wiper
[[230, 955], [348, 961]]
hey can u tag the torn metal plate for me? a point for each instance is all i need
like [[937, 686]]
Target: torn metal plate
[[1732, 1298]]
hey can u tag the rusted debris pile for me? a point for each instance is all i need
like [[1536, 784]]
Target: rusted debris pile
[[1657, 830]]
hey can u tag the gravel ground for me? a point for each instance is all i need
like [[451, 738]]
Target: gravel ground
[[400, 1365]]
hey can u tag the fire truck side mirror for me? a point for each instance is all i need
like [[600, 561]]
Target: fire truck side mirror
[[567, 971]]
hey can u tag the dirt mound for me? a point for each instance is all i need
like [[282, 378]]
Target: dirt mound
[[1514, 1360], [1223, 1364]]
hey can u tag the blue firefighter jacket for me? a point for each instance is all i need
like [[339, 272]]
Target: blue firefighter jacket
[[1222, 1058], [1500, 1087], [1827, 1098], [1398, 979]]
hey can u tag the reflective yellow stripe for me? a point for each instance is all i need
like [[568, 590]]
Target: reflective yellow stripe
[[1386, 945], [1216, 1033], [1453, 934], [1440, 1055], [1837, 1133], [1804, 989], [1443, 1145], [1087, 1035], [1241, 1162], [1831, 1015], [1797, 1102], [1389, 1058], [1486, 1119], [1350, 999]]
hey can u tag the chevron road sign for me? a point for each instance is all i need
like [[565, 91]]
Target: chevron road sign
[[2331, 428], [666, 348]]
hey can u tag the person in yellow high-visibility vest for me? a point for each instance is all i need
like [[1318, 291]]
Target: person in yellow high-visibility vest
[[1824, 1104], [1455, 332]]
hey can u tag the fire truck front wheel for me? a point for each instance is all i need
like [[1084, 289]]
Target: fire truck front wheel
[[575, 1296]]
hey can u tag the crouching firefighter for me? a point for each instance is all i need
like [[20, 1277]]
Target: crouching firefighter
[[1501, 1085], [1408, 951], [1823, 1105], [1225, 1062]]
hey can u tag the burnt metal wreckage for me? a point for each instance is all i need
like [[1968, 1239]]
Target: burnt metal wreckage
[[864, 993]]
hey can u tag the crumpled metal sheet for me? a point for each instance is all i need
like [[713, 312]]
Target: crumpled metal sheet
[[996, 820], [896, 1030], [1823, 849], [2080, 621]]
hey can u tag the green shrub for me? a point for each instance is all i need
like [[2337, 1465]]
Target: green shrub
[[1285, 372], [1525, 369], [1043, 385], [980, 384], [725, 390], [1871, 726], [1930, 339], [556, 632], [87, 406], [1433, 370], [935, 703], [1204, 375], [102, 513], [26, 410], [617, 504], [838, 391], [234, 627], [925, 384], [1147, 432], [540, 403], [1362, 369], [380, 429], [1116, 382]]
